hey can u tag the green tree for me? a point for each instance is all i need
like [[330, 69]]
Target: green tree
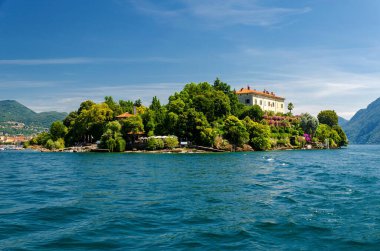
[[235, 105], [259, 134], [126, 106], [112, 138], [328, 117], [115, 107], [208, 136], [290, 107], [254, 112], [235, 131], [323, 132], [171, 142], [342, 135], [70, 119], [133, 125], [156, 105], [309, 124], [155, 144], [138, 103], [58, 130]]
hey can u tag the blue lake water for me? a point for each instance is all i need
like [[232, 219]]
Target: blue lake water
[[281, 200]]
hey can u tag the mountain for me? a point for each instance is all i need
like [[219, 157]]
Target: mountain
[[11, 110], [342, 121], [364, 127]]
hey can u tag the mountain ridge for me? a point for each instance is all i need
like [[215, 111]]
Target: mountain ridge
[[12, 110], [364, 126]]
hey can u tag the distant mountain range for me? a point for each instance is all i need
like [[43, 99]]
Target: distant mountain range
[[364, 126], [11, 110]]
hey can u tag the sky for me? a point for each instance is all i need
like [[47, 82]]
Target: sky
[[318, 54]]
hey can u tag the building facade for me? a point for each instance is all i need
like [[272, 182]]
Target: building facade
[[268, 101]]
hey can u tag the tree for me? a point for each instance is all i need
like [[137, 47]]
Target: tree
[[126, 106], [156, 105], [259, 134], [328, 117], [115, 107], [290, 107], [323, 132], [112, 139], [138, 103], [235, 131], [309, 124], [221, 86], [132, 125], [58, 130], [254, 112], [342, 135], [171, 142], [155, 144]]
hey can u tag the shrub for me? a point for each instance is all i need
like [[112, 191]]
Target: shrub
[[155, 144], [171, 142], [120, 145], [49, 144], [59, 143]]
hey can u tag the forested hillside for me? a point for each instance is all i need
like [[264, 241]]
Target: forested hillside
[[11, 110], [364, 127]]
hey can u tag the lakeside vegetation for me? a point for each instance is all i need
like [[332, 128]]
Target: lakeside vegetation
[[203, 114]]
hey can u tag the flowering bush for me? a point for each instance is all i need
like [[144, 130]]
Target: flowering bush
[[307, 137]]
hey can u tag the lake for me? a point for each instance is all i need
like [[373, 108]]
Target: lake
[[280, 200]]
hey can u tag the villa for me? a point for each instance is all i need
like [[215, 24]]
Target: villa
[[268, 101]]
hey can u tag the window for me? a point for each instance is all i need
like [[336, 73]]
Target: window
[[255, 101], [261, 102], [247, 101], [282, 105]]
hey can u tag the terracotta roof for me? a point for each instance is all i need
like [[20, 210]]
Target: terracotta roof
[[263, 93], [124, 115]]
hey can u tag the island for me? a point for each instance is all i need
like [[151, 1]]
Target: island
[[203, 116]]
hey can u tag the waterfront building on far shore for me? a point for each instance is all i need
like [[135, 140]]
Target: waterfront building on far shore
[[268, 101]]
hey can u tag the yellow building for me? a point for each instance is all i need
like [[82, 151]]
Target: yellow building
[[268, 101]]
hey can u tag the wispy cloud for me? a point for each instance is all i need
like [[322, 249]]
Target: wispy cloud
[[69, 99], [345, 80], [30, 84], [220, 13], [85, 60]]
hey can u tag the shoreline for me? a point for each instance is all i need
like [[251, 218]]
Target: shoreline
[[94, 149]]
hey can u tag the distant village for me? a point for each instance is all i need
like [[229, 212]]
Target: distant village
[[15, 133]]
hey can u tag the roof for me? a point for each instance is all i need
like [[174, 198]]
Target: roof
[[264, 93], [124, 115]]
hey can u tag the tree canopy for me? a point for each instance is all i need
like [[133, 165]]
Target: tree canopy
[[204, 114], [328, 117]]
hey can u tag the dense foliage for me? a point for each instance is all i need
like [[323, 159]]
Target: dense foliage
[[328, 117], [202, 114]]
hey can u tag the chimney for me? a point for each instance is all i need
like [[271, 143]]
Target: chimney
[[134, 110]]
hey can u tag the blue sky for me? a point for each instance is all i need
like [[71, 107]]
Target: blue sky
[[319, 54]]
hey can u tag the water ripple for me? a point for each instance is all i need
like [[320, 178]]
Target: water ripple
[[281, 200]]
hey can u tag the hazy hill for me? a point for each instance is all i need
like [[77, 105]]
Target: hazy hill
[[364, 127], [342, 121], [11, 110]]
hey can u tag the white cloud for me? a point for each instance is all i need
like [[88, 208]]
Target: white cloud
[[315, 79], [221, 13], [85, 60], [70, 99]]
